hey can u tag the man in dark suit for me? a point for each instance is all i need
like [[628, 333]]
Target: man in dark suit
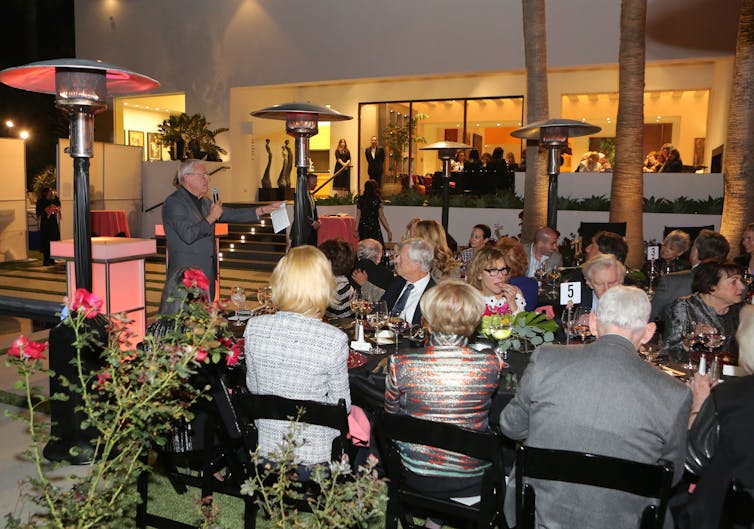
[[189, 220], [600, 398], [375, 161], [310, 211], [412, 264], [708, 246]]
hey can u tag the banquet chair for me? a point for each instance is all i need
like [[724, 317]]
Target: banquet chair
[[215, 460], [404, 502], [738, 509], [642, 479], [250, 407]]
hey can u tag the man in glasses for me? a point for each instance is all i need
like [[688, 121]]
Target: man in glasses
[[189, 219]]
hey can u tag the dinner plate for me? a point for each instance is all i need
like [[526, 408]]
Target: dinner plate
[[356, 359]]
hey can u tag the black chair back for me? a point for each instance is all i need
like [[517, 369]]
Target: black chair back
[[643, 479], [693, 231], [587, 230], [404, 501], [738, 509]]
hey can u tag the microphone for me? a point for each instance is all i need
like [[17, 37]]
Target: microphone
[[215, 195]]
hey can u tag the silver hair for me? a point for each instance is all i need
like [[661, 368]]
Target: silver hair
[[369, 249], [603, 261], [678, 240], [420, 251], [745, 338], [624, 307], [187, 166]]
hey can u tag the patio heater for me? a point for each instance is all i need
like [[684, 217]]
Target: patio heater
[[301, 121], [446, 150], [553, 134], [81, 88]]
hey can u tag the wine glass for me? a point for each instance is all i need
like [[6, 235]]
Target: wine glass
[[264, 297], [555, 278], [358, 304], [398, 325], [238, 297], [582, 324], [652, 274], [689, 339], [570, 319], [711, 337], [501, 327]]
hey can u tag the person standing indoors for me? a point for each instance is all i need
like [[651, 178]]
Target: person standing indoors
[[375, 156], [189, 219], [342, 182], [599, 398], [370, 214], [48, 211]]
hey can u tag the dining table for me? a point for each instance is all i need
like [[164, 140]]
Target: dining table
[[109, 223], [337, 227]]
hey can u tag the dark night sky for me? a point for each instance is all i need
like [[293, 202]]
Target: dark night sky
[[34, 30]]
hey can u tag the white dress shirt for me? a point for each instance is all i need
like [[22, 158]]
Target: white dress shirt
[[413, 297]]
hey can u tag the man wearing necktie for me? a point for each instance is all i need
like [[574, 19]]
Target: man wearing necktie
[[412, 264]]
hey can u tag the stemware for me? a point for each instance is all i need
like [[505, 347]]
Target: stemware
[[398, 325], [555, 278], [582, 324], [570, 319], [501, 328], [264, 296], [238, 297], [652, 274], [689, 339]]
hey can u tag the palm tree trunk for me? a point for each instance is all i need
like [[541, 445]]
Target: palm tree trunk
[[537, 109], [627, 191], [738, 162]]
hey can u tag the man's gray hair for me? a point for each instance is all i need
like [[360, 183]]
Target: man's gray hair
[[603, 261], [186, 167], [419, 251], [624, 307], [369, 249]]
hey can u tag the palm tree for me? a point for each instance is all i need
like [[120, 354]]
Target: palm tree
[[627, 192], [537, 109], [738, 163]]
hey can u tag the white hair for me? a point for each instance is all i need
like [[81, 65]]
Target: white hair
[[420, 251], [624, 307], [186, 167], [745, 338], [602, 261], [369, 249]]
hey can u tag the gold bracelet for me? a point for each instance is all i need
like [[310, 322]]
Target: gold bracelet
[[694, 413]]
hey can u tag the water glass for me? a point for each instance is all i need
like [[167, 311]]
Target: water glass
[[238, 298]]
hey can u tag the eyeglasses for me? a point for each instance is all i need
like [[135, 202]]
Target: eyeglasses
[[203, 175], [493, 272]]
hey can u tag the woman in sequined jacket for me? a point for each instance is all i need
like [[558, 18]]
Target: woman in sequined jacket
[[448, 382]]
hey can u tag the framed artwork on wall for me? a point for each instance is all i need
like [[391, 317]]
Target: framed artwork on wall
[[136, 139], [154, 149]]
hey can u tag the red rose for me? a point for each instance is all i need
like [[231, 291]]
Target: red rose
[[234, 354], [195, 278], [86, 302], [23, 348], [201, 355]]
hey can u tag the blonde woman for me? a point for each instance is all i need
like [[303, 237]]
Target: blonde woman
[[490, 274], [294, 354], [444, 265]]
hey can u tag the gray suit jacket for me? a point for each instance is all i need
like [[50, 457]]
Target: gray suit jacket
[[669, 288], [191, 240], [554, 260], [603, 399]]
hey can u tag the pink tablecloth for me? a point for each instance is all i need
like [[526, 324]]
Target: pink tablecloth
[[109, 222], [338, 228]]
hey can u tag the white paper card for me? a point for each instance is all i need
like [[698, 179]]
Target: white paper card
[[280, 220], [570, 292], [653, 253]]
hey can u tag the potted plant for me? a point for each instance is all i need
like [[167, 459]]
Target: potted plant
[[395, 137], [189, 136]]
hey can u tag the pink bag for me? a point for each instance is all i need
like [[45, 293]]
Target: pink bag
[[359, 427]]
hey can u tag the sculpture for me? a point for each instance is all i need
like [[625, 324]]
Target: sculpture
[[289, 152], [266, 182], [283, 170]]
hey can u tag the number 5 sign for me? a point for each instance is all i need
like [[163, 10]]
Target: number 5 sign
[[570, 292]]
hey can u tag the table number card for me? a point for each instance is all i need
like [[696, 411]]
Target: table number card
[[570, 292], [653, 253]]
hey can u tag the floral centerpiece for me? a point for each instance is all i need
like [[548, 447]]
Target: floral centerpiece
[[131, 403], [517, 331]]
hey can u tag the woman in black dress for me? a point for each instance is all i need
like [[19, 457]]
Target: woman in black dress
[[342, 159], [369, 214], [48, 211]]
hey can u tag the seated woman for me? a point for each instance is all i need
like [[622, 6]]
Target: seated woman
[[480, 236], [518, 262], [715, 303], [342, 258], [489, 274], [444, 266], [674, 254], [293, 354], [746, 259], [433, 384], [720, 437]]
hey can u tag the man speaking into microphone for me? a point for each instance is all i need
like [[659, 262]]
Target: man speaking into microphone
[[189, 218]]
